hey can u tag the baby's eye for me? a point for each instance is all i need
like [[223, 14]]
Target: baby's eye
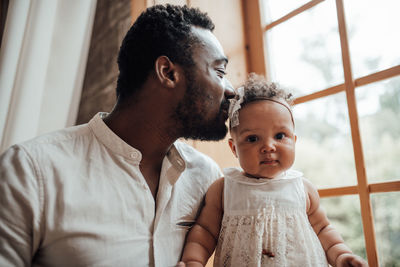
[[252, 139], [280, 136]]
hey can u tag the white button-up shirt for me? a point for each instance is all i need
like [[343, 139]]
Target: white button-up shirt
[[77, 197]]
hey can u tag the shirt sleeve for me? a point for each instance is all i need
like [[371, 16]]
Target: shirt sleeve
[[21, 202]]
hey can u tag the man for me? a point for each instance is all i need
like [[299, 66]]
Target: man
[[121, 190]]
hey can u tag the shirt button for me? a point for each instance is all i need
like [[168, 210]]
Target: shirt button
[[134, 155]]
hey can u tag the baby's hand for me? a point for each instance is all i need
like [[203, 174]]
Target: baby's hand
[[350, 260]]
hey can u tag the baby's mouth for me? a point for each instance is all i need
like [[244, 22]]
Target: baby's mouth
[[269, 162]]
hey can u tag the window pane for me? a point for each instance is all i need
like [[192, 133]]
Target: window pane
[[387, 216], [324, 151], [379, 111], [374, 39], [275, 9], [344, 214], [304, 52]]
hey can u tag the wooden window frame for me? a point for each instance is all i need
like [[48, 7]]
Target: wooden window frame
[[255, 27]]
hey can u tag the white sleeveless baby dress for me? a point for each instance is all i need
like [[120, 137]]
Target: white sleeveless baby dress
[[265, 223]]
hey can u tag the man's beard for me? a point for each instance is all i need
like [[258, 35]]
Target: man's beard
[[190, 115]]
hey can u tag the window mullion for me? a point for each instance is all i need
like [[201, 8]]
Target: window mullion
[[366, 211]]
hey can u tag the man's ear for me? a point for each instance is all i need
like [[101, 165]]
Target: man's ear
[[232, 146], [166, 71]]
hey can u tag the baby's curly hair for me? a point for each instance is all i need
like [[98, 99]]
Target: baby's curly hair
[[161, 30], [257, 87]]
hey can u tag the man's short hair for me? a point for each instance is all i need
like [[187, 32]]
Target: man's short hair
[[159, 30]]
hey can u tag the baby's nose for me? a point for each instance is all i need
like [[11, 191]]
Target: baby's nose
[[269, 146]]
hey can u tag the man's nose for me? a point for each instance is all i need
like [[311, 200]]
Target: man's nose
[[228, 89]]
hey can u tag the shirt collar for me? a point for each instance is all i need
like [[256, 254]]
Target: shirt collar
[[120, 147], [176, 158], [112, 141]]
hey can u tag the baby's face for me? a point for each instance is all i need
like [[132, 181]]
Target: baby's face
[[264, 141]]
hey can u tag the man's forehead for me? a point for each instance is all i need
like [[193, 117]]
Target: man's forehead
[[210, 44]]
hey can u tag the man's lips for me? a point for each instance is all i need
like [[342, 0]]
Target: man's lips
[[225, 106], [224, 112]]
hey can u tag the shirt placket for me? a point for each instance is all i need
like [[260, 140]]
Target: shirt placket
[[171, 170]]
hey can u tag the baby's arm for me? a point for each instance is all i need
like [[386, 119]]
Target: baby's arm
[[202, 238], [337, 253]]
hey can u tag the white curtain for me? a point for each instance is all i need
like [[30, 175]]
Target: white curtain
[[42, 65]]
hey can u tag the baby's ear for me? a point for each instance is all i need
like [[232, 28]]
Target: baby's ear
[[232, 146]]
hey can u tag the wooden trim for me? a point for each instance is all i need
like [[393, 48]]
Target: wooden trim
[[329, 91], [366, 210], [293, 13], [383, 187], [378, 76], [390, 186], [338, 191], [254, 34], [375, 77]]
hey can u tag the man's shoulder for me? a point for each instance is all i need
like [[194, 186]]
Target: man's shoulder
[[195, 158], [200, 171], [59, 138]]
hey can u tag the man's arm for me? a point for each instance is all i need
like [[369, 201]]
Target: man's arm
[[20, 208], [337, 253], [203, 237]]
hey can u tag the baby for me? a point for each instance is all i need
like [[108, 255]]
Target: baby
[[264, 214]]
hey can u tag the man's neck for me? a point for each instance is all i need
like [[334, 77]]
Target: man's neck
[[150, 134]]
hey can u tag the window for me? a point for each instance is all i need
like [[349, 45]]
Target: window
[[342, 62]]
